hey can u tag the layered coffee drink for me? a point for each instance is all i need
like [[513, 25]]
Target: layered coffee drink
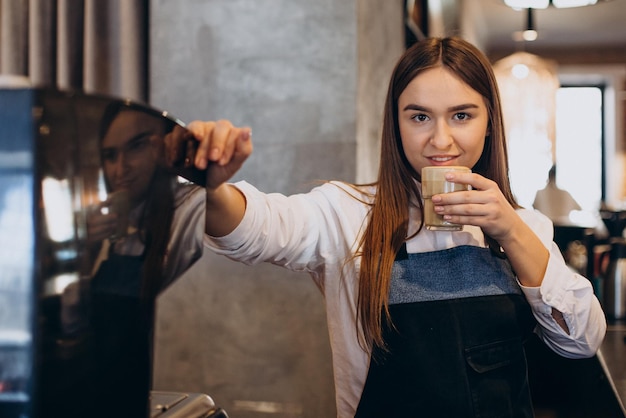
[[434, 182]]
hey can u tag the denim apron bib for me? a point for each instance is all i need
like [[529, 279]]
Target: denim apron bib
[[456, 345]]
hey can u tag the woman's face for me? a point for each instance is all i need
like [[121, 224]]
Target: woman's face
[[129, 152], [443, 121]]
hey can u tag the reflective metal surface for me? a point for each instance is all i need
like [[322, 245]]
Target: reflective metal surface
[[91, 210], [183, 405], [612, 356]]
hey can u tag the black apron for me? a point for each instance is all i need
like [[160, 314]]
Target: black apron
[[456, 348], [122, 335]]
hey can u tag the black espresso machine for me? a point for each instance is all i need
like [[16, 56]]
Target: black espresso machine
[[85, 193]]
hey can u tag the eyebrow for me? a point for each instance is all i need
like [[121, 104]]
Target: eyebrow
[[135, 138], [457, 108]]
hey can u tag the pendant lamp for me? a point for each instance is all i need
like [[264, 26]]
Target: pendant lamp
[[528, 86]]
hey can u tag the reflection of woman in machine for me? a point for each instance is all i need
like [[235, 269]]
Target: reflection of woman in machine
[[144, 240], [156, 202]]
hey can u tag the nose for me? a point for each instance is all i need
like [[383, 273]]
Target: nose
[[441, 136], [120, 163]]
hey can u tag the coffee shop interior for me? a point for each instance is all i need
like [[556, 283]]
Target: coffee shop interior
[[310, 78]]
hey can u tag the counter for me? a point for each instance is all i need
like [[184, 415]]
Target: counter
[[183, 405], [579, 388], [612, 357]]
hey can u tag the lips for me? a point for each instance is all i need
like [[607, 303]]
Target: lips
[[123, 185], [441, 159]]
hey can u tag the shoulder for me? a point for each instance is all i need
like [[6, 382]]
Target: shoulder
[[331, 203], [188, 192], [332, 191], [342, 190], [189, 201], [533, 217], [539, 223]]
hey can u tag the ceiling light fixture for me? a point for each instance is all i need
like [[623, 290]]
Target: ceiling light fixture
[[530, 33], [543, 4], [528, 86], [527, 4], [562, 4]]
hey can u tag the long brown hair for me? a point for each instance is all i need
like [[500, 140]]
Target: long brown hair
[[157, 214], [387, 228]]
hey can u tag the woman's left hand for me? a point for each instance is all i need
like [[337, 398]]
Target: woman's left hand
[[484, 206]]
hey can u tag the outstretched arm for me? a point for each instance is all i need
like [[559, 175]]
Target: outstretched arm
[[222, 151]]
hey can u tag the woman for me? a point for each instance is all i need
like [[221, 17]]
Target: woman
[[422, 323], [156, 236], [141, 250]]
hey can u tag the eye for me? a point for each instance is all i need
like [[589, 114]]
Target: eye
[[420, 117], [138, 144], [462, 116], [109, 155]]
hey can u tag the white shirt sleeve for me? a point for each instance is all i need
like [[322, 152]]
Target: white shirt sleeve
[[187, 232], [569, 293], [301, 232]]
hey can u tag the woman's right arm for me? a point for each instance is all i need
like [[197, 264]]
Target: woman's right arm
[[222, 150], [225, 207]]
